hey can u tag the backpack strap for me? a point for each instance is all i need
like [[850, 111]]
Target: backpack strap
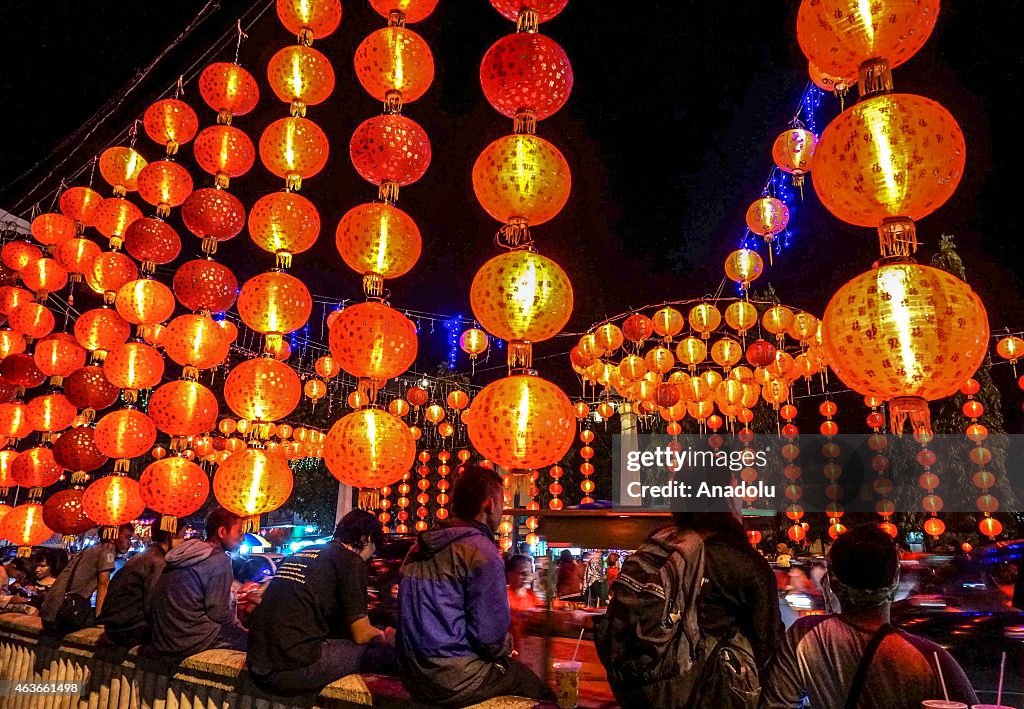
[[857, 688]]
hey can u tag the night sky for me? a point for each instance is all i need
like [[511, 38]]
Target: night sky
[[668, 133]]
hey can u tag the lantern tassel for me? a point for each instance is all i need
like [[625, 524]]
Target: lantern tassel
[[912, 408], [24, 552], [369, 499], [67, 540], [169, 523], [251, 524]]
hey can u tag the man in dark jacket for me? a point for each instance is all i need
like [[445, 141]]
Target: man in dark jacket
[[453, 642], [130, 595], [191, 609]]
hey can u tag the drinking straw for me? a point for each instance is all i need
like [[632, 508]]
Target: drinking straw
[[942, 679], [581, 640], [999, 691]]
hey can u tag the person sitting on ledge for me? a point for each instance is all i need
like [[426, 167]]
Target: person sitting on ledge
[[88, 573], [454, 646], [130, 595], [312, 626], [856, 658], [192, 609]]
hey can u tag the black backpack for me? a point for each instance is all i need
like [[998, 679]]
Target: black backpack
[[650, 642]]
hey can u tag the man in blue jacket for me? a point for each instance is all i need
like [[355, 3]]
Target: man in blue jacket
[[192, 609], [453, 644]]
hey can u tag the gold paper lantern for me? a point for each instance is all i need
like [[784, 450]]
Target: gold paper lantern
[[705, 318], [252, 482], [183, 408], [380, 239], [741, 316], [262, 389], [371, 340], [145, 302], [522, 177], [906, 334], [113, 501], [521, 296], [274, 303], [743, 266]]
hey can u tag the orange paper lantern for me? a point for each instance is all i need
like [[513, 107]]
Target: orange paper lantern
[[274, 303], [224, 152], [23, 525], [35, 467], [793, 151], [58, 355], [228, 89], [309, 19], [50, 412], [371, 340], [196, 341], [378, 238], [301, 74], [183, 408], [114, 216], [31, 319], [839, 35], [44, 276], [294, 149], [80, 204], [174, 486], [369, 448], [51, 228], [170, 122], [284, 222], [120, 167], [110, 270], [125, 433], [262, 389], [113, 501], [413, 11], [164, 184], [522, 422], [101, 329], [767, 217], [145, 301]]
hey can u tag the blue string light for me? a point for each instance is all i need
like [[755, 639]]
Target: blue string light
[[453, 327], [779, 183]]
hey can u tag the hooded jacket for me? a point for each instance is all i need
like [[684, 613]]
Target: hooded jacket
[[191, 600], [453, 617], [130, 596]]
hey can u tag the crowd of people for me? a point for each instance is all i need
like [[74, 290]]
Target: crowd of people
[[692, 615]]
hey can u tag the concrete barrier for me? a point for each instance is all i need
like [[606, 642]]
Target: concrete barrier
[[111, 677]]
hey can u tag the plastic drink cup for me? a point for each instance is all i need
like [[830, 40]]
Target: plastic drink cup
[[567, 683], [942, 704]]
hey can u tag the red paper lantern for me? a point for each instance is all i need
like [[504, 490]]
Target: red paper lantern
[[58, 355], [113, 501], [110, 270], [152, 240], [31, 319], [101, 329], [11, 343], [390, 148], [7, 458], [11, 296], [51, 228], [526, 71], [125, 433], [284, 222], [301, 74], [89, 388], [174, 486], [183, 408], [394, 59], [205, 285], [65, 514], [224, 152], [417, 396], [274, 303], [164, 184], [213, 213], [294, 149], [23, 525], [80, 204], [50, 412], [170, 122], [369, 448], [21, 370], [44, 276], [523, 177], [76, 450], [262, 389], [545, 9], [761, 353], [134, 365], [371, 340], [14, 421], [76, 255], [252, 482], [228, 89], [18, 255], [35, 467]]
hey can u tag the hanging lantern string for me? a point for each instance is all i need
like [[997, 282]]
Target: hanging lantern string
[[82, 134], [241, 37]]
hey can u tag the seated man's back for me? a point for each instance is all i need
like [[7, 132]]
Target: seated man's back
[[820, 657], [130, 595]]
